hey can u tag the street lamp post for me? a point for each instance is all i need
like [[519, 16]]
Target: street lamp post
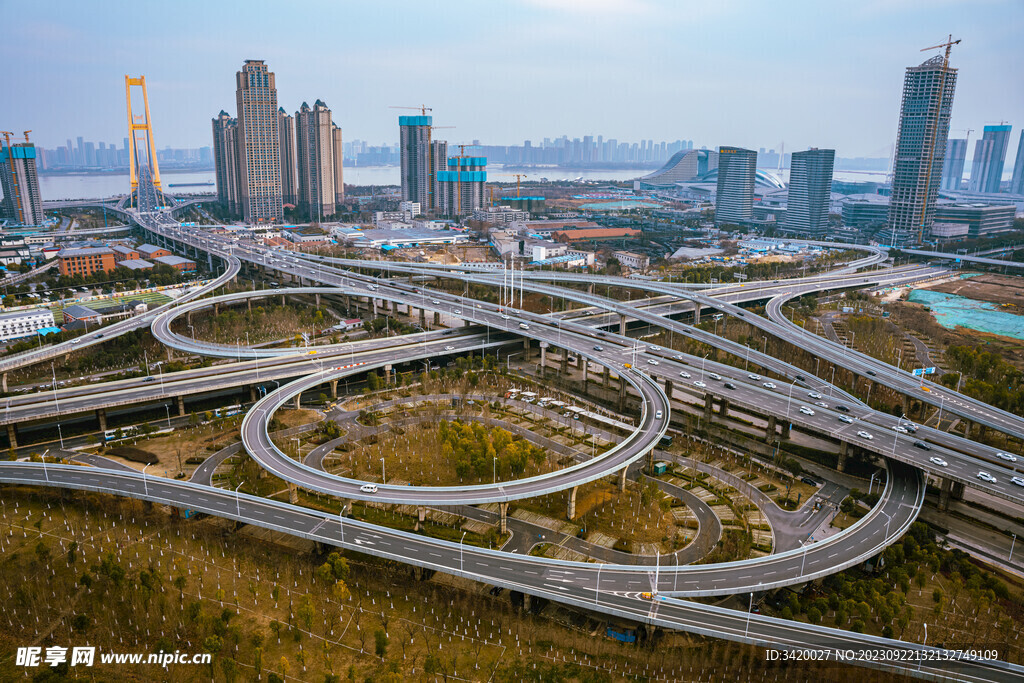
[[383, 472], [461, 565], [495, 470], [238, 502], [145, 483], [1012, 543], [803, 562]]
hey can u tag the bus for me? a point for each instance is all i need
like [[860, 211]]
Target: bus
[[228, 411], [121, 433]]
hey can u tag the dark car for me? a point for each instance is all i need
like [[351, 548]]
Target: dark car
[[730, 385], [149, 379], [800, 378], [842, 408], [872, 373], [922, 445], [808, 481]]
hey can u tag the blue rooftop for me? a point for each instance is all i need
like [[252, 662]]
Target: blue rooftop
[[415, 120]]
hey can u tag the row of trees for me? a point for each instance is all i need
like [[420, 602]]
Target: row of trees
[[987, 377]]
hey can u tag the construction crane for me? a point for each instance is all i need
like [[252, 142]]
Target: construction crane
[[517, 176], [25, 133], [16, 198], [7, 136], [934, 131], [423, 109]]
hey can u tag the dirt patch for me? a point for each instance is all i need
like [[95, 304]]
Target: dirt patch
[[295, 418], [1001, 290], [133, 454]]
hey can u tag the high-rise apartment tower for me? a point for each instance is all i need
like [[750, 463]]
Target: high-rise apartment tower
[[810, 187], [734, 198], [259, 153]]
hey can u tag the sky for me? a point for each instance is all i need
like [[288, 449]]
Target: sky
[[719, 72]]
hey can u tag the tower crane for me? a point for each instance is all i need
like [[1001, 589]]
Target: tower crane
[[423, 109], [25, 133], [517, 176], [458, 176]]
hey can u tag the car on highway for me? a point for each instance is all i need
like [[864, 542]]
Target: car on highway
[[938, 461], [864, 435], [149, 379], [658, 415], [75, 341], [652, 348], [599, 348], [1006, 456], [900, 430], [1018, 481], [714, 376], [841, 408], [922, 445], [985, 476], [730, 385], [368, 488], [504, 317], [99, 336], [679, 356], [684, 374], [821, 404], [434, 301], [457, 311], [910, 427], [651, 361], [871, 372], [700, 384], [813, 394], [755, 377], [524, 326], [769, 385], [806, 411], [449, 348], [844, 418]]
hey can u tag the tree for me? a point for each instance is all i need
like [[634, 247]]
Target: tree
[[380, 640]]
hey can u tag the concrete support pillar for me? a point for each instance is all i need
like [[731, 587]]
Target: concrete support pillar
[[543, 359], [216, 309], [769, 431], [571, 512], [373, 302], [297, 397], [437, 318], [293, 494], [282, 299], [181, 406], [317, 297], [696, 313], [784, 434], [503, 518], [968, 428], [590, 288], [3, 382], [248, 304], [622, 324], [844, 449], [668, 388], [723, 407], [586, 370], [906, 405], [565, 361], [12, 435], [101, 416], [423, 318], [649, 462], [622, 394], [945, 490], [348, 302], [607, 376], [253, 395], [622, 479], [421, 516], [334, 388], [709, 406]]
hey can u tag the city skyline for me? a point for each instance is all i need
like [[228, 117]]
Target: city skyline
[[646, 78]]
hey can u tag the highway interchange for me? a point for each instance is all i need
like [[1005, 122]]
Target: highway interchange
[[613, 589]]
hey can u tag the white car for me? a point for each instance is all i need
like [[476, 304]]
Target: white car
[[684, 374], [700, 384], [985, 476], [504, 317], [1018, 481], [821, 404], [813, 394], [449, 348], [434, 301], [457, 311], [899, 430], [769, 385], [714, 376], [658, 415], [938, 461], [651, 361], [1006, 456], [679, 356], [864, 435], [806, 411], [368, 488], [652, 348], [846, 418], [754, 377]]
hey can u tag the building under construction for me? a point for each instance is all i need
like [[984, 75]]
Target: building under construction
[[19, 178]]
